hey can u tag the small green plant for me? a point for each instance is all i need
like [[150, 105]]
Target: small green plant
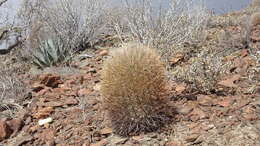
[[50, 53], [133, 88]]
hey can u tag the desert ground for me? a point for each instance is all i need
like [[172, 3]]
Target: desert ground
[[213, 88]]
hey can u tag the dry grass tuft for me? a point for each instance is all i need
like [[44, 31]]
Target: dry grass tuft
[[133, 88], [12, 91]]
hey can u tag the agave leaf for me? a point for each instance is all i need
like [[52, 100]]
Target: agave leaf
[[52, 51], [49, 55], [38, 57], [46, 55], [43, 60], [38, 61]]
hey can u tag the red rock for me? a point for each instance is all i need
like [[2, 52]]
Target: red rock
[[103, 53], [47, 135], [20, 140], [72, 93], [205, 100], [180, 88], [197, 114], [184, 110], [106, 131], [98, 59], [86, 143], [50, 80], [193, 125], [250, 117], [15, 125], [71, 101], [84, 92], [92, 101], [34, 128], [137, 138], [103, 142], [42, 92], [192, 137], [230, 81], [225, 102], [87, 76], [61, 91], [244, 53], [208, 127], [36, 87], [5, 130], [177, 58], [248, 110], [172, 143], [43, 113], [52, 104], [196, 130], [71, 82]]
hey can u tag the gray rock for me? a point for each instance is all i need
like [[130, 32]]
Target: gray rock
[[9, 42]]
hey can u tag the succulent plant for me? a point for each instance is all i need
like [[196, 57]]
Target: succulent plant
[[51, 52], [133, 88]]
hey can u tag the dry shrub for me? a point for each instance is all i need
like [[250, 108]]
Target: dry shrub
[[229, 41], [133, 88], [202, 72], [77, 23], [164, 26], [12, 92]]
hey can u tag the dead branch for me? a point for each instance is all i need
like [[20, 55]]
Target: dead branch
[[2, 2]]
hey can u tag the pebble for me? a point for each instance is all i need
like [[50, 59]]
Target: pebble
[[45, 121]]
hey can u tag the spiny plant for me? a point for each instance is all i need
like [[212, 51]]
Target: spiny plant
[[255, 19], [50, 53], [133, 89]]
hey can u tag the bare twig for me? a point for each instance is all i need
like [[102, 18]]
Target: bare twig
[[161, 27], [77, 23], [3, 34], [2, 2]]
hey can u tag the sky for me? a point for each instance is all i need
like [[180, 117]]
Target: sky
[[223, 6], [217, 6]]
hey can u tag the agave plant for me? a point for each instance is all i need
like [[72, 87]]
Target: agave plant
[[51, 52]]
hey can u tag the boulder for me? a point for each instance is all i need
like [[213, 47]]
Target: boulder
[[8, 42]]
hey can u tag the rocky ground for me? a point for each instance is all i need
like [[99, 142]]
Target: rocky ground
[[64, 107]]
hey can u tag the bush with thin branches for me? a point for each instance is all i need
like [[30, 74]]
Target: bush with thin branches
[[162, 27], [76, 23], [12, 91]]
